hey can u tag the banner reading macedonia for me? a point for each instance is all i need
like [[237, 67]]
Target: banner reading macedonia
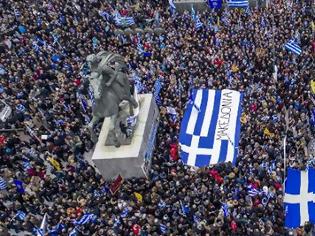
[[313, 86], [210, 129]]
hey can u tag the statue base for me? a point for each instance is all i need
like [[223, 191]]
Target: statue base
[[122, 139], [133, 160]]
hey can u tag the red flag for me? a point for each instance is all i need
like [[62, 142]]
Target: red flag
[[116, 184], [136, 229], [2, 140]]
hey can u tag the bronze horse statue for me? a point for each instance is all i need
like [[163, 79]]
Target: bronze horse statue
[[111, 87]]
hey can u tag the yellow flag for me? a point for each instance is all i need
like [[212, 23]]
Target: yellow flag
[[138, 196], [244, 118], [268, 133], [313, 86], [54, 163]]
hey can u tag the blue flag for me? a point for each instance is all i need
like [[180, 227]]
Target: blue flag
[[163, 228], [215, 4], [19, 186], [3, 184], [86, 218], [299, 198]]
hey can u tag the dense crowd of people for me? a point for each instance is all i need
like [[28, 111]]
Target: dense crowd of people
[[43, 45]]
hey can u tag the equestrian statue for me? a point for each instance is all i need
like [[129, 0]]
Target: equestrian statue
[[113, 96]]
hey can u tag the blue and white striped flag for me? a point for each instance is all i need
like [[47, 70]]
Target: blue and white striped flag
[[299, 197], [198, 23], [238, 3], [17, 13], [20, 108], [125, 213], [35, 47], [161, 204], [21, 215], [26, 165], [86, 218], [211, 135], [73, 232], [3, 184], [123, 20], [140, 48], [252, 191], [292, 46], [163, 228], [173, 114]]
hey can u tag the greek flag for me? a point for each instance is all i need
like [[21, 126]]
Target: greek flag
[[211, 134], [163, 228], [299, 197], [198, 23], [292, 46], [17, 13], [86, 218], [20, 108], [21, 215], [125, 212], [161, 204], [3, 184], [173, 114], [73, 232], [140, 48], [123, 21], [252, 191], [238, 3], [26, 165]]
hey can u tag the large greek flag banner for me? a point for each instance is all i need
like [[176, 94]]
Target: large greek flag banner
[[299, 197], [210, 129]]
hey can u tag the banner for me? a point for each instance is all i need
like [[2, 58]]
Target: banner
[[210, 128]]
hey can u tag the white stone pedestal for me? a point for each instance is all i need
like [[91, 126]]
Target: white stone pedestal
[[132, 160]]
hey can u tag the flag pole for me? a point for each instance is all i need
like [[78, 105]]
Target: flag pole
[[284, 155]]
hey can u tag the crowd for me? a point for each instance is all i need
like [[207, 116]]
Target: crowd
[[43, 45]]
